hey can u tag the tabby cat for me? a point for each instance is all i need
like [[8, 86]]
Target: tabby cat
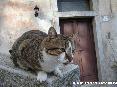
[[42, 53]]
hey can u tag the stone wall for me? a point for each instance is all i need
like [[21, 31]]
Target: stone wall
[[108, 8]]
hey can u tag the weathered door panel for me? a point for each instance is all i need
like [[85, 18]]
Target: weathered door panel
[[67, 28]]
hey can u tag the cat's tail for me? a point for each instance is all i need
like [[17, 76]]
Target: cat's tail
[[13, 58], [11, 54], [10, 51]]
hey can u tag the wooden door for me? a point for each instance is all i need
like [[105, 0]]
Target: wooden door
[[84, 55]]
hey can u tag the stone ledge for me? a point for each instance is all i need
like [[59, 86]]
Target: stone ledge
[[77, 13], [15, 77]]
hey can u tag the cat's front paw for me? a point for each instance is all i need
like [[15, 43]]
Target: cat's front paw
[[42, 76], [59, 74]]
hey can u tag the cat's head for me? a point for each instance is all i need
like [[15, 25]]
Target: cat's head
[[56, 44]]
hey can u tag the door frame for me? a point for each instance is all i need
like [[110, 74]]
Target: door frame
[[96, 22], [97, 41]]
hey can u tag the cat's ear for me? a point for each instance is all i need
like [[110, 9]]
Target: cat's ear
[[52, 32], [70, 36], [73, 36]]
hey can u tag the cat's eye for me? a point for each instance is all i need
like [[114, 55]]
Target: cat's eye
[[62, 49]]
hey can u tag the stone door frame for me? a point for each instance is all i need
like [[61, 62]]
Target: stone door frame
[[96, 28]]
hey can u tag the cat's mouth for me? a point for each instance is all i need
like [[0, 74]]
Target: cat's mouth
[[62, 49], [58, 52]]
